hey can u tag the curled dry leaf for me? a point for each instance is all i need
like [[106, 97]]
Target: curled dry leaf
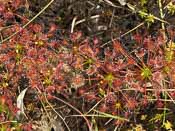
[[20, 103]]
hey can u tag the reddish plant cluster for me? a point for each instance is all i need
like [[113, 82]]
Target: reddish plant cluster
[[124, 81]]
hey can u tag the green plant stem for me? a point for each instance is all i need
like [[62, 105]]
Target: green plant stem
[[5, 122], [165, 102], [164, 111], [162, 17]]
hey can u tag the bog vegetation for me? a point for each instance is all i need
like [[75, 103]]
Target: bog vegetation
[[91, 65]]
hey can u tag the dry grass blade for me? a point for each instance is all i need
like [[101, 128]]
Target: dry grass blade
[[103, 115], [133, 29], [57, 113], [87, 121], [73, 24], [111, 116], [94, 106]]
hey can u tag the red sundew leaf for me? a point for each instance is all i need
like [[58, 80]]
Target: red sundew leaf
[[120, 64], [42, 51], [12, 108], [15, 110], [131, 61], [27, 127], [117, 83], [119, 122], [24, 20], [78, 81], [138, 38], [34, 83], [110, 67], [172, 77], [2, 24], [110, 99], [144, 101], [28, 63], [96, 41], [129, 76], [137, 86], [36, 28], [156, 62], [3, 99], [4, 46], [22, 31], [97, 64], [8, 128], [52, 28], [16, 28], [50, 96], [59, 67], [87, 50], [58, 76], [159, 104], [11, 54], [160, 40], [158, 77], [8, 32], [96, 51], [172, 94], [32, 73], [117, 47], [131, 103], [8, 15], [41, 60], [50, 89], [46, 70], [60, 88], [2, 7], [171, 31], [2, 117], [78, 63], [90, 96], [16, 3], [91, 70], [108, 53], [11, 66], [32, 52], [127, 114], [140, 53], [76, 36], [81, 91], [43, 38], [4, 2], [149, 44], [64, 42], [1, 78], [103, 108], [4, 58], [65, 57], [54, 44]]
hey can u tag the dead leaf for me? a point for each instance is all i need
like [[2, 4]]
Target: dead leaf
[[20, 103]]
